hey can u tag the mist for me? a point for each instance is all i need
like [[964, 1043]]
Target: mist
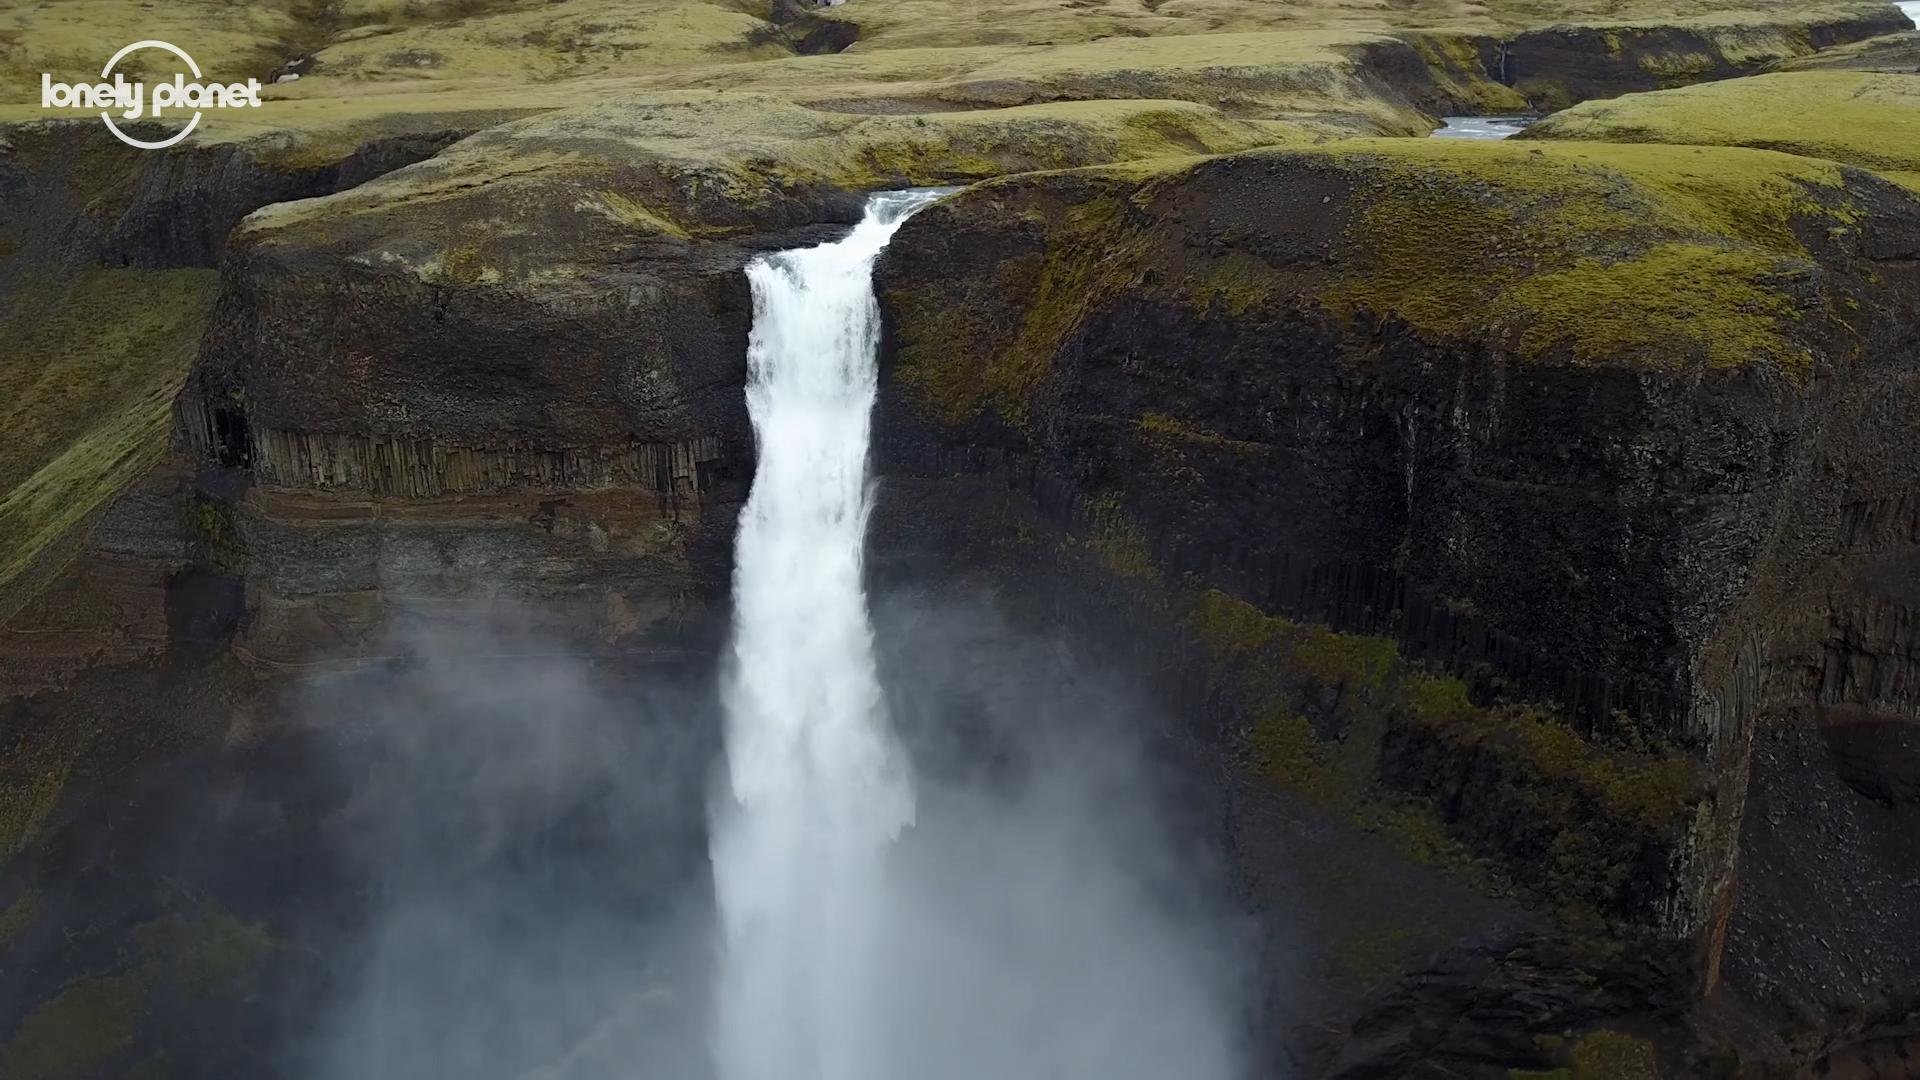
[[535, 898]]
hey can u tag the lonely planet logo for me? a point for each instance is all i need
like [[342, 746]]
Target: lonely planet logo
[[135, 100]]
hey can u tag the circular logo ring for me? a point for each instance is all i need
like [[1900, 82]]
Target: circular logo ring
[[178, 135]]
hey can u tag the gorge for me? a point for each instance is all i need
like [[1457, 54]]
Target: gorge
[[486, 542]]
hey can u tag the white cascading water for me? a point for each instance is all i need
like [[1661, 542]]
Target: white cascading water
[[819, 787]]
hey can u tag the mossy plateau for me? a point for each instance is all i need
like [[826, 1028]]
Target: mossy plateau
[[1635, 257], [696, 166], [1860, 118], [1638, 257], [433, 44]]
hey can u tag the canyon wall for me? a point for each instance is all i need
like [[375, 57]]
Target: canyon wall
[[1644, 540]]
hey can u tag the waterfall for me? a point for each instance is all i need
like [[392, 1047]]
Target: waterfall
[[818, 787]]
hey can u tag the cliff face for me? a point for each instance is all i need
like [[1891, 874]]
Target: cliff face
[[1561, 65], [522, 361], [107, 271], [1637, 533], [1528, 530]]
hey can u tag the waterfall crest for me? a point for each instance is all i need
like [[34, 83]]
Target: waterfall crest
[[819, 787]]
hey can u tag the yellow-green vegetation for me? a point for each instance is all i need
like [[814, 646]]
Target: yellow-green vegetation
[[1636, 256], [386, 66], [1268, 659], [1861, 118], [19, 915], [89, 366], [1459, 69], [35, 766], [1555, 774], [1645, 257], [211, 523], [1895, 54], [993, 341], [1160, 427], [202, 947], [700, 165], [198, 949], [89, 1023], [27, 800], [71, 39], [1118, 542], [395, 41], [473, 42], [1603, 1055], [1648, 790]]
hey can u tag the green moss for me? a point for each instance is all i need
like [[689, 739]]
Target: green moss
[[1457, 68], [1601, 801], [1641, 306], [203, 948], [197, 950], [87, 381], [958, 365], [1861, 118], [1284, 748], [1119, 543], [1603, 1055], [1436, 699], [1344, 660], [1678, 68], [1270, 660], [26, 801], [1630, 256], [1636, 257], [210, 522], [19, 915], [1230, 627], [1164, 429], [1648, 790], [86, 1025], [1237, 281]]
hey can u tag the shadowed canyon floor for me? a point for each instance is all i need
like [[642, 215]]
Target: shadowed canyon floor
[[1475, 581]]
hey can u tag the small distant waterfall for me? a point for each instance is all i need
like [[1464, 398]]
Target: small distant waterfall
[[818, 786]]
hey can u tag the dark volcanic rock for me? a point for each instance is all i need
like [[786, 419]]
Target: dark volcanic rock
[[1363, 387], [1562, 65]]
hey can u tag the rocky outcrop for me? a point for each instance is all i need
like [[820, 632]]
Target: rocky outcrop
[[1560, 66], [106, 269], [1893, 54]]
